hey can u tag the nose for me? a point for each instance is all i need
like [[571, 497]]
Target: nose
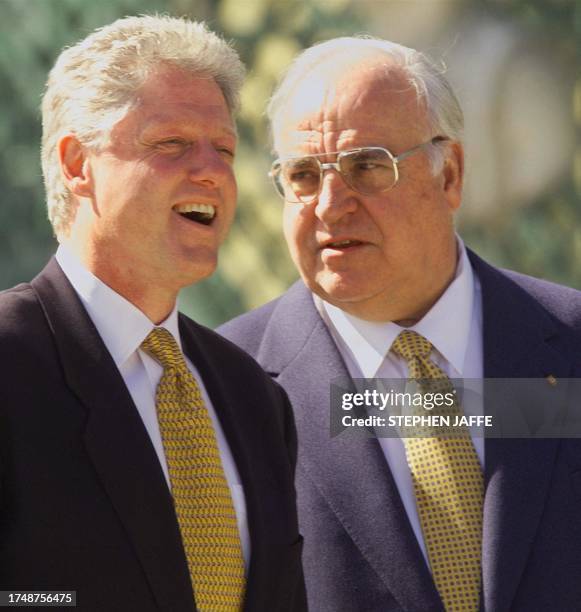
[[336, 199], [208, 166]]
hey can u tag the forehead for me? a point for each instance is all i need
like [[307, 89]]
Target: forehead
[[172, 96], [372, 104]]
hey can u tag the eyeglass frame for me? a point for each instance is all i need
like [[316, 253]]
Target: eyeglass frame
[[323, 166]]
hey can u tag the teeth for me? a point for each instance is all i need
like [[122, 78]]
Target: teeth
[[341, 243], [205, 209]]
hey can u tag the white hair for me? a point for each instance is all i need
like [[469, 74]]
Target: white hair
[[94, 83], [330, 60]]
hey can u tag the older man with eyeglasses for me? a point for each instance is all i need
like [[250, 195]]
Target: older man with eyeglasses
[[370, 166]]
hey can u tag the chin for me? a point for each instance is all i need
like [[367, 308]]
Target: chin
[[334, 287], [196, 263], [341, 296], [190, 273]]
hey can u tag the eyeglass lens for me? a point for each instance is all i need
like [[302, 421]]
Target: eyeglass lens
[[367, 171]]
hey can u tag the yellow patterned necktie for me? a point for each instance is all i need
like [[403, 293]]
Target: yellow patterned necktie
[[449, 490], [202, 500]]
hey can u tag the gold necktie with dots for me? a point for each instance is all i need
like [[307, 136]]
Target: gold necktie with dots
[[201, 495], [448, 486]]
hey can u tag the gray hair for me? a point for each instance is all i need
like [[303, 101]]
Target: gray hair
[[94, 83], [331, 59]]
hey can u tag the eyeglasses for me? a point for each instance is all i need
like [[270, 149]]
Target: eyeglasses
[[368, 170]]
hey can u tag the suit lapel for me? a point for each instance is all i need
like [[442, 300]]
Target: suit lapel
[[516, 344], [117, 442], [351, 473]]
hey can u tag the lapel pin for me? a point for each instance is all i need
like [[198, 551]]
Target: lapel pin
[[552, 380]]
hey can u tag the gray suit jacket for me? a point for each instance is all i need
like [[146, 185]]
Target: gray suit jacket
[[360, 553]]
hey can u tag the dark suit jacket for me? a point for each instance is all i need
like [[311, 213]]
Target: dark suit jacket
[[83, 501], [360, 553]]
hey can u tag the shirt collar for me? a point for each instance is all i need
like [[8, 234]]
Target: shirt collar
[[446, 325], [121, 325]]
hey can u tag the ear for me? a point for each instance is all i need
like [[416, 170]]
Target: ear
[[453, 174], [74, 166]]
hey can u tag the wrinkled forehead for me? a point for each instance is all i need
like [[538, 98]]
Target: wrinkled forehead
[[372, 98]]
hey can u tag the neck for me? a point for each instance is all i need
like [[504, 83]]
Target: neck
[[403, 313], [149, 294]]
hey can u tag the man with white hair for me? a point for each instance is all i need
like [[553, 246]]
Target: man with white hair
[[370, 165], [145, 462]]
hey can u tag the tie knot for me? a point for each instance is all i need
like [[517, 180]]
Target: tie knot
[[161, 345], [410, 344]]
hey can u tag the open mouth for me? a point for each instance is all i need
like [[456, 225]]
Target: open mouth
[[199, 213], [343, 244]]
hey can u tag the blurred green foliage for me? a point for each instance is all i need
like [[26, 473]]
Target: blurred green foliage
[[543, 239]]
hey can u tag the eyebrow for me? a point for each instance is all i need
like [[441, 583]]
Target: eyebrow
[[157, 124]]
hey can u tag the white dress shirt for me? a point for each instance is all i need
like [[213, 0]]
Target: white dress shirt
[[123, 327], [454, 327]]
